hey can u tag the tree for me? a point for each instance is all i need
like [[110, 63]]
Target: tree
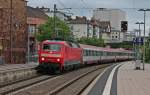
[[47, 30], [126, 45], [92, 41], [147, 52]]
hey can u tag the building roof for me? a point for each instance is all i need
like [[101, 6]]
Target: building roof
[[36, 13]]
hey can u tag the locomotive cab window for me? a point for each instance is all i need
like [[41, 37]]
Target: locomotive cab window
[[51, 47]]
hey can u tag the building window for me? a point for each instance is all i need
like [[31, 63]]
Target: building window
[[32, 29], [116, 37]]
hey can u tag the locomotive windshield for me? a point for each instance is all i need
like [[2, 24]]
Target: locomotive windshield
[[51, 47]]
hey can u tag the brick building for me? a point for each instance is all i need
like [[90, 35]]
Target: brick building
[[13, 35]]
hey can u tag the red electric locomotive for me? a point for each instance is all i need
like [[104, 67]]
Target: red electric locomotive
[[59, 55]]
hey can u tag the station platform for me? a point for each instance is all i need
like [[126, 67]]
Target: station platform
[[133, 82], [121, 79], [7, 67], [10, 73]]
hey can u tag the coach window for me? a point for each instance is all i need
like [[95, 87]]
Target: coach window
[[104, 53], [108, 53], [117, 54], [111, 54], [88, 52], [93, 53], [84, 52], [96, 53], [100, 53]]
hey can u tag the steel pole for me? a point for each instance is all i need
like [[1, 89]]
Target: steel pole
[[28, 55], [139, 39], [144, 43], [55, 34], [11, 12]]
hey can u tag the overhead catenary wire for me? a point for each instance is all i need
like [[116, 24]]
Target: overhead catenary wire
[[86, 6], [84, 3], [64, 6]]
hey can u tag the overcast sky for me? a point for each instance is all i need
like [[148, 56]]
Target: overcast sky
[[85, 7]]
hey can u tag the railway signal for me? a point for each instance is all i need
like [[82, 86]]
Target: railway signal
[[124, 26]]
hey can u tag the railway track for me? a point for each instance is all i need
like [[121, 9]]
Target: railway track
[[77, 85], [17, 81], [22, 84], [57, 85]]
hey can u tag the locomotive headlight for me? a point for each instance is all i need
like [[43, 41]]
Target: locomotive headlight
[[42, 59], [58, 60]]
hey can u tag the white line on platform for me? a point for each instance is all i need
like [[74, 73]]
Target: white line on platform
[[88, 89], [109, 81]]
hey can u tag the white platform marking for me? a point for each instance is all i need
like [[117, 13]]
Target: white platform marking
[[88, 89], [109, 82]]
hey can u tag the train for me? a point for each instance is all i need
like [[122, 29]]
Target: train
[[63, 55]]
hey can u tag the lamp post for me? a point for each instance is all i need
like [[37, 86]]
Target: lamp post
[[139, 23], [56, 11], [55, 33], [139, 38], [144, 10], [28, 38], [11, 13]]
